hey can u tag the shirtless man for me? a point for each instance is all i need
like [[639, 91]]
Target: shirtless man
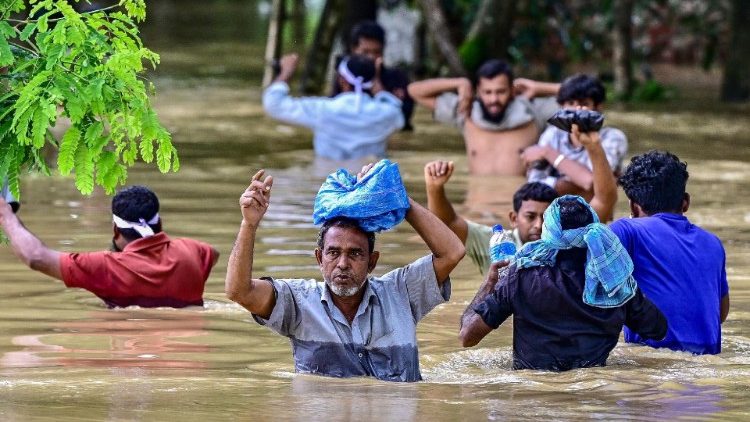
[[496, 124]]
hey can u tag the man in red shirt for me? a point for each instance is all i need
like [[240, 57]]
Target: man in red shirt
[[145, 267]]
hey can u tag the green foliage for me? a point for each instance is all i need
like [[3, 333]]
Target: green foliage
[[86, 69]]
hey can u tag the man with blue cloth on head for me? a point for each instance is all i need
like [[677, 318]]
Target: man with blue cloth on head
[[569, 292], [354, 124], [351, 323]]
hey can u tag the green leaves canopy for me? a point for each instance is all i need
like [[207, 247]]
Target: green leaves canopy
[[86, 68]]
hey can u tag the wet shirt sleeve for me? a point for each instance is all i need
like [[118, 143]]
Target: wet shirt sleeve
[[87, 271], [419, 283], [285, 317], [477, 244], [497, 306], [446, 109], [280, 105], [544, 108]]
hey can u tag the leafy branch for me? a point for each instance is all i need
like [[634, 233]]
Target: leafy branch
[[61, 67]]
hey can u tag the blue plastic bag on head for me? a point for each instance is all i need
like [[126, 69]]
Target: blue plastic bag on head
[[378, 202]]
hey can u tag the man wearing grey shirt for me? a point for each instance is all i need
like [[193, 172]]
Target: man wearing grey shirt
[[496, 124], [351, 324]]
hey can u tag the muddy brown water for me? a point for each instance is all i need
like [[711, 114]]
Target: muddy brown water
[[64, 356]]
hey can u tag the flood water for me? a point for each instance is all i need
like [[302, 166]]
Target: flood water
[[64, 356]]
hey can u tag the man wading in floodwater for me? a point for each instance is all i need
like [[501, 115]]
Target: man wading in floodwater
[[351, 324], [570, 294], [145, 267]]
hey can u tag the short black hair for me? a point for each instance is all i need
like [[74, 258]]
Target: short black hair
[[534, 191], [348, 223], [574, 214], [366, 29], [580, 87], [656, 181], [360, 66], [492, 68], [133, 203]]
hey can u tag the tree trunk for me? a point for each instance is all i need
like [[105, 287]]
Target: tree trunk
[[274, 41], [494, 22], [316, 65], [736, 83], [298, 20], [436, 23], [622, 48]]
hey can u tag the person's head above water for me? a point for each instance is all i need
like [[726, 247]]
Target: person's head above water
[[529, 203], [367, 39], [345, 254], [581, 90], [494, 88], [655, 182], [135, 212], [355, 72], [574, 214]]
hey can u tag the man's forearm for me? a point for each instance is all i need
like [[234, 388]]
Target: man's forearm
[[425, 92], [238, 283], [438, 204], [604, 183], [574, 171], [28, 248], [445, 246], [483, 291]]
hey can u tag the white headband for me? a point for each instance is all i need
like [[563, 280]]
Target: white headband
[[142, 226], [357, 81]]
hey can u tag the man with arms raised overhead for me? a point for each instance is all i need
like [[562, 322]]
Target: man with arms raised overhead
[[496, 124], [351, 324], [680, 266], [144, 268]]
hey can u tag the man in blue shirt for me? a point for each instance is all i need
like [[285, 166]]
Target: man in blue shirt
[[678, 265], [351, 125], [351, 324]]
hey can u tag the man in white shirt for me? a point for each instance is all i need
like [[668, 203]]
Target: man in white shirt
[[351, 125]]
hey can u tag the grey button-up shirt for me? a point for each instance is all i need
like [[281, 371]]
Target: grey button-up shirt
[[381, 340]]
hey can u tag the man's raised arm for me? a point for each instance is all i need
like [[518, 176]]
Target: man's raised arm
[[255, 295], [27, 247], [604, 183], [436, 175], [426, 92], [447, 249]]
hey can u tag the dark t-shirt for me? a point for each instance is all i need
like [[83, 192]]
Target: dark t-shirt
[[552, 328]]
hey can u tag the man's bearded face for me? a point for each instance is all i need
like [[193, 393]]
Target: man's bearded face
[[494, 95]]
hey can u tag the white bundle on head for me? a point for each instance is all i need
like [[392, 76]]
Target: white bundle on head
[[142, 226], [357, 82]]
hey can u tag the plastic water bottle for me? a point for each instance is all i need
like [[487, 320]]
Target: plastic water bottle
[[502, 246]]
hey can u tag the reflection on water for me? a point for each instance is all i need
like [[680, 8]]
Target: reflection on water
[[64, 356]]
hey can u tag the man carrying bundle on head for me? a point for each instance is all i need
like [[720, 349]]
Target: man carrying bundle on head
[[145, 267], [570, 294], [354, 124], [351, 323]]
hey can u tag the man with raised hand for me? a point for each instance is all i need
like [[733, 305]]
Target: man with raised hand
[[529, 203], [352, 125], [351, 323], [496, 123], [144, 268]]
